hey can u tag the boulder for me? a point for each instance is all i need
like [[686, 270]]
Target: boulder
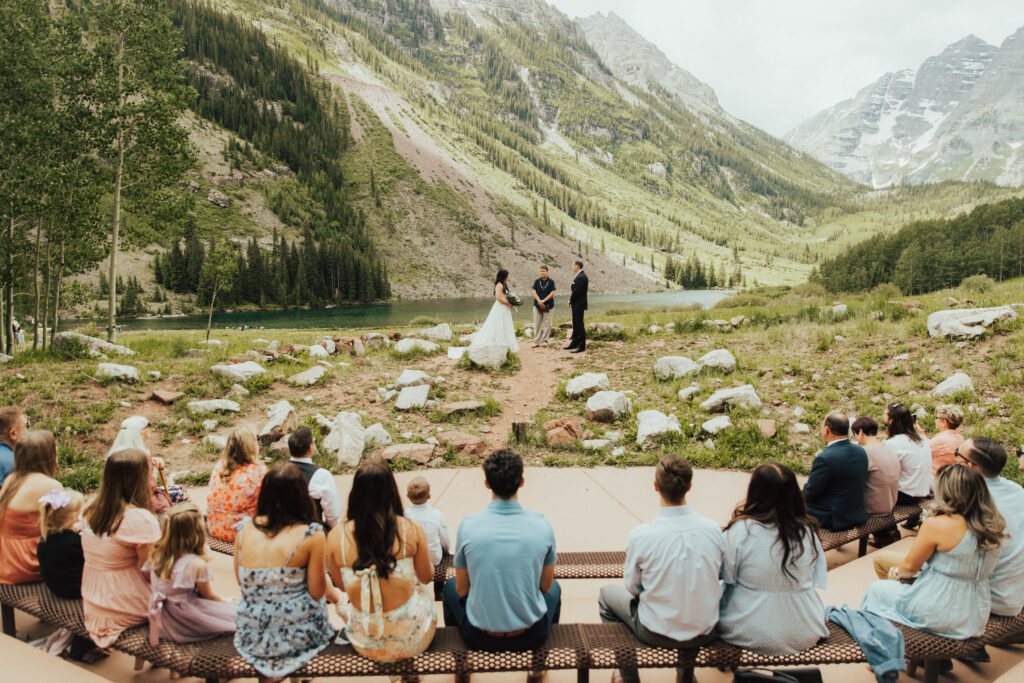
[[596, 444], [839, 310], [216, 441], [411, 398], [329, 345], [737, 320], [564, 431], [953, 385], [490, 356], [967, 322], [651, 423], [598, 328], [238, 390], [464, 444], [688, 393], [461, 407], [587, 383], [440, 332], [768, 428], [323, 423], [801, 428], [281, 421], [166, 397], [375, 340], [122, 373], [674, 367], [719, 359], [376, 435], [732, 397], [358, 348], [654, 329], [64, 339], [347, 438], [317, 351], [238, 372], [280, 448], [217, 405], [410, 345], [308, 378], [607, 406], [457, 352], [412, 378], [420, 453], [274, 346], [4, 358], [717, 424], [218, 198]]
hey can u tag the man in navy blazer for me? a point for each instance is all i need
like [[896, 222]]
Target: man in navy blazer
[[835, 488]]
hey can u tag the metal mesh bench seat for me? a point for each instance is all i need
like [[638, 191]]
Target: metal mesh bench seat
[[830, 540], [596, 565], [219, 546]]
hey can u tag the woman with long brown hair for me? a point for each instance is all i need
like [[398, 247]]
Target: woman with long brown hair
[[120, 528], [772, 565], [234, 484], [35, 464]]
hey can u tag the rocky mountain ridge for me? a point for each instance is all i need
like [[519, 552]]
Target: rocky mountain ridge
[[959, 116]]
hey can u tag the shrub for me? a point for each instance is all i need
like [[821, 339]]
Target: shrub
[[885, 291], [808, 290], [424, 321], [977, 284], [742, 300]]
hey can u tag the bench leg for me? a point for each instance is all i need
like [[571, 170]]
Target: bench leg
[[139, 663], [931, 671], [912, 668], [688, 676], [7, 617], [862, 547], [582, 675]]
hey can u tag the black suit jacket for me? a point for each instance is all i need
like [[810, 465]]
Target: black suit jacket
[[835, 488], [578, 297]]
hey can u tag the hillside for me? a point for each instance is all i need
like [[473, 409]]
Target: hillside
[[956, 117]]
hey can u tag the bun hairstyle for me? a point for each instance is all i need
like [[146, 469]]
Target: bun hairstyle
[[183, 534], [59, 509], [674, 477]]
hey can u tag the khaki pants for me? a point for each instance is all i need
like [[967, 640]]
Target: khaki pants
[[541, 325], [884, 560]]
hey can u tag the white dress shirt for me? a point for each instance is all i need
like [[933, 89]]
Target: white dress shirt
[[435, 526], [915, 464], [673, 563], [322, 489]]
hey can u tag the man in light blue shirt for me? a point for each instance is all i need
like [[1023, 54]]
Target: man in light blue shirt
[[13, 424], [504, 595], [672, 570]]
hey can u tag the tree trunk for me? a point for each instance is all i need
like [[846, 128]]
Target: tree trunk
[[35, 286], [46, 294], [9, 293], [115, 229], [3, 336], [56, 294], [213, 298]]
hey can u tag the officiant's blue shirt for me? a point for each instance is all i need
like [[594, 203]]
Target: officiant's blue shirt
[[543, 288]]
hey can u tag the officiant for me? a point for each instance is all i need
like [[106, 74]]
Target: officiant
[[543, 307]]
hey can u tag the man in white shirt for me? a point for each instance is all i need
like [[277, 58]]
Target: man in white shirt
[[672, 571], [435, 526], [322, 490]]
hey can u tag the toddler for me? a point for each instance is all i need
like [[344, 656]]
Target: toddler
[[427, 516]]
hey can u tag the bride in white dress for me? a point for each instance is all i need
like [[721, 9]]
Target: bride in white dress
[[498, 329]]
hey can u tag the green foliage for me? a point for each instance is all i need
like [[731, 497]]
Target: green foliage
[[77, 470], [977, 284], [424, 321]]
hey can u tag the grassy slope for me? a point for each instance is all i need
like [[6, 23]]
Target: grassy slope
[[789, 351]]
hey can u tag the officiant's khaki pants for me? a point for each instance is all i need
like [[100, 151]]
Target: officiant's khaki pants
[[541, 325]]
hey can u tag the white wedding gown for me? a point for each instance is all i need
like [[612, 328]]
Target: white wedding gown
[[498, 329]]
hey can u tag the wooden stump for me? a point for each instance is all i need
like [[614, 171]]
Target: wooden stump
[[519, 429]]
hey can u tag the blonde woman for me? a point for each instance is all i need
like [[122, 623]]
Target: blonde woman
[[234, 484], [948, 419], [952, 558], [35, 464]]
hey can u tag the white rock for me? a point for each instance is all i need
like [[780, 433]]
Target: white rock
[[389, 396], [215, 440], [281, 420], [409, 345], [490, 356], [274, 345], [467, 339], [412, 378], [154, 374], [329, 344], [323, 423], [347, 439], [125, 373], [839, 310], [440, 332], [4, 358], [620, 451], [688, 393], [317, 351], [376, 435], [801, 428], [260, 340], [308, 378], [902, 356], [654, 329], [92, 343], [708, 444], [587, 383], [674, 367], [651, 423], [607, 406], [358, 348], [799, 411], [719, 359], [614, 437], [671, 327], [432, 440], [952, 385], [732, 397], [238, 390], [717, 424], [217, 405], [457, 352], [412, 397], [238, 372], [210, 425], [126, 404], [968, 322], [596, 444], [212, 342]]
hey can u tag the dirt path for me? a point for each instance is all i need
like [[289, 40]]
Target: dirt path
[[523, 394]]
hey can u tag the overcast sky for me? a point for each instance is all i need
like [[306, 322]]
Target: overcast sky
[[774, 63]]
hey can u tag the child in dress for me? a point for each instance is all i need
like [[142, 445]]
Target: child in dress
[[183, 607], [60, 548], [435, 526]]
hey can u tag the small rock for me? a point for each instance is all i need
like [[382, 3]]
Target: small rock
[[768, 428], [216, 441], [654, 329], [719, 359], [902, 356], [308, 378], [166, 397], [651, 423], [238, 390], [440, 332], [688, 393], [92, 343], [217, 405], [490, 356], [732, 397], [614, 437], [412, 397], [464, 444], [420, 453], [410, 345], [238, 372], [839, 310], [347, 439], [317, 351], [587, 383], [618, 452], [717, 424], [412, 378], [596, 444], [323, 423], [376, 435], [154, 374], [461, 407], [608, 406], [801, 428], [674, 367], [563, 432], [457, 352], [210, 425], [218, 198], [280, 448], [122, 373], [952, 385], [281, 421], [708, 444], [486, 429]]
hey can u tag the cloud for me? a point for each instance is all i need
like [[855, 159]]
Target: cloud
[[776, 63]]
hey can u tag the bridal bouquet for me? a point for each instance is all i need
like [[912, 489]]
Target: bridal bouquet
[[513, 299]]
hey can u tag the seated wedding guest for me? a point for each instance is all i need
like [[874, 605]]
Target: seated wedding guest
[[134, 434], [435, 526], [913, 452], [671, 573], [835, 487], [952, 558], [234, 483], [883, 480], [183, 607], [119, 531], [504, 595], [279, 561], [13, 424], [326, 499], [772, 565], [943, 445], [382, 560], [35, 464]]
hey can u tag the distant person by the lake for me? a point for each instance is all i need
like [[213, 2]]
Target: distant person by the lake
[[578, 304], [835, 487], [498, 329], [948, 419], [543, 307]]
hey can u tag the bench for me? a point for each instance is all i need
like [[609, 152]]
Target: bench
[[581, 647], [831, 540]]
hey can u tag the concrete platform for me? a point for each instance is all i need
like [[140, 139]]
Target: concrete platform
[[590, 509]]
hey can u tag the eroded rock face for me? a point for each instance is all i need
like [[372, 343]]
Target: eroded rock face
[[732, 397], [953, 384], [674, 367], [651, 423], [608, 406], [238, 372], [587, 383], [121, 373], [347, 438], [967, 322], [281, 421]]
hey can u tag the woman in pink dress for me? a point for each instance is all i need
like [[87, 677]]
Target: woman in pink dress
[[120, 529], [35, 463], [234, 484]]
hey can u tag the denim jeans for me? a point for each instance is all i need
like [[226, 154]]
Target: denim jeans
[[476, 639]]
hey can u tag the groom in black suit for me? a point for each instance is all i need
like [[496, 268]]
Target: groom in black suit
[[578, 304]]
